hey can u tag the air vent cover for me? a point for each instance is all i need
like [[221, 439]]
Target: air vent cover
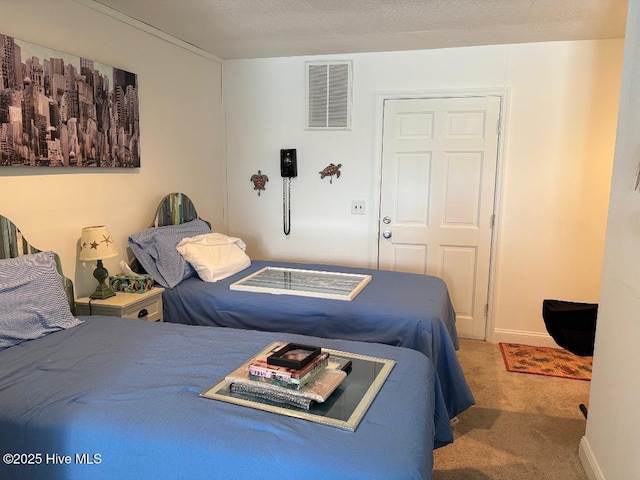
[[329, 95]]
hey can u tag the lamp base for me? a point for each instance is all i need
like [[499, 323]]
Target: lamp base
[[103, 290]]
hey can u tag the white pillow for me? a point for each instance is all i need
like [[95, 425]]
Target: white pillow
[[214, 256]]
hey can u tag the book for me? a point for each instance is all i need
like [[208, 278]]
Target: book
[[300, 388], [275, 397], [293, 383], [316, 391]]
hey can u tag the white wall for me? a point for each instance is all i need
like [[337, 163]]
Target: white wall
[[609, 449], [555, 167], [182, 136]]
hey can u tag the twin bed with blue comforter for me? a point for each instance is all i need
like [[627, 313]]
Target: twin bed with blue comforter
[[105, 397], [127, 393]]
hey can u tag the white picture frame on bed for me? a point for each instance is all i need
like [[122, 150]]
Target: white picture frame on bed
[[304, 283]]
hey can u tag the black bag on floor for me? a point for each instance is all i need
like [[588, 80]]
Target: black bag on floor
[[571, 324]]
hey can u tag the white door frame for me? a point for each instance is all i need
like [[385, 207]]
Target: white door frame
[[503, 94]]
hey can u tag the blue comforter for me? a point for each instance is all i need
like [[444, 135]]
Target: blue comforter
[[118, 398], [401, 309]]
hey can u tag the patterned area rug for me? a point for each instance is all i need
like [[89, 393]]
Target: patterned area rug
[[553, 362]]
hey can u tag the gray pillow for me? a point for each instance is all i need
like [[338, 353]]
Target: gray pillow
[[33, 300], [155, 249]]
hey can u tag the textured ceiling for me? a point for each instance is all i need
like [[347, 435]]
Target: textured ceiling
[[233, 29]]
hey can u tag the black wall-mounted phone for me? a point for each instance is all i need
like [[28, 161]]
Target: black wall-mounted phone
[[288, 163], [288, 170]]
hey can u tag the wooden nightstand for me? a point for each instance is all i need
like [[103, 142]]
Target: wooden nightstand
[[146, 306]]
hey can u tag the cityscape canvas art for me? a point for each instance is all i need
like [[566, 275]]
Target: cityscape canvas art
[[60, 110]]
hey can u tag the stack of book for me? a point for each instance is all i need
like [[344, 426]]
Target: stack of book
[[292, 378], [291, 374]]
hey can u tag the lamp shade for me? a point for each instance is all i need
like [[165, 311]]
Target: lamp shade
[[96, 244]]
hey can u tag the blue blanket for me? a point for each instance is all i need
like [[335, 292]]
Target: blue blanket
[[119, 398], [401, 309]]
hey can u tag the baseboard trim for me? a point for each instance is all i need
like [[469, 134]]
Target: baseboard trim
[[521, 336], [588, 461]]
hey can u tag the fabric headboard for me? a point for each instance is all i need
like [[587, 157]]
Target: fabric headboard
[[13, 244]]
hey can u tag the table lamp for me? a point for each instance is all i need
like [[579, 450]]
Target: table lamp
[[96, 244]]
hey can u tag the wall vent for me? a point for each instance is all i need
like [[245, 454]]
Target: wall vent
[[329, 95]]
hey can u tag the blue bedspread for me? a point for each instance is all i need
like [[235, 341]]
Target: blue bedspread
[[121, 398], [402, 309]]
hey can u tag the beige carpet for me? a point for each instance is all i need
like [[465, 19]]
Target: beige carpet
[[522, 426]]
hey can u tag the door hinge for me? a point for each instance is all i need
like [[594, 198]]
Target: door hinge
[[492, 221], [486, 310]]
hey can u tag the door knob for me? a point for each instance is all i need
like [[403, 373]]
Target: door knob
[[386, 234], [387, 220]]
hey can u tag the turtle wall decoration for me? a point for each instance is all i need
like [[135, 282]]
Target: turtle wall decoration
[[259, 181], [330, 171]]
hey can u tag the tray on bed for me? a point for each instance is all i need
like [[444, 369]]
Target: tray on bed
[[344, 408]]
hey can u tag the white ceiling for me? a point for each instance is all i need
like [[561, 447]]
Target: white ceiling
[[232, 29]]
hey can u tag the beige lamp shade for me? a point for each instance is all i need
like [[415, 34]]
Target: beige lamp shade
[[96, 244]]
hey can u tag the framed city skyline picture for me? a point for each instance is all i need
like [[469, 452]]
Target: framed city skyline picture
[[61, 110]]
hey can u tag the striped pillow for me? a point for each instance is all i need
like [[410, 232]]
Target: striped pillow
[[33, 300], [155, 249]]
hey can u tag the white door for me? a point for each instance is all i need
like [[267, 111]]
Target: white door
[[437, 196]]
